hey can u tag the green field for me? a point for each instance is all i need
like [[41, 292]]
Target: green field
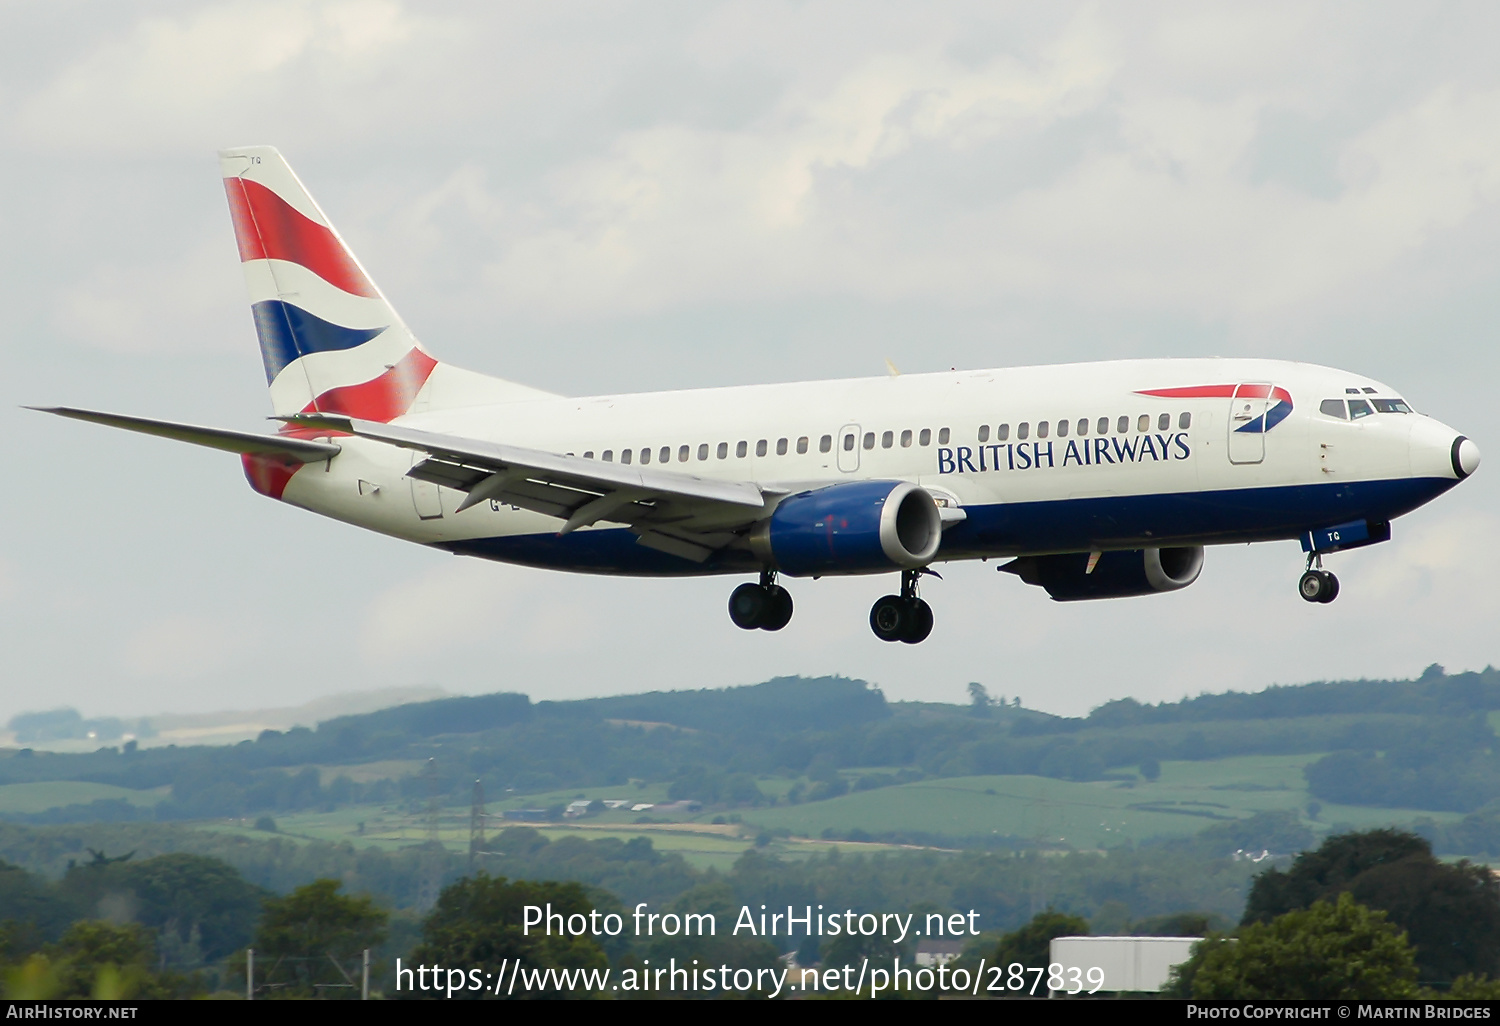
[[1098, 814], [52, 794], [1188, 797]]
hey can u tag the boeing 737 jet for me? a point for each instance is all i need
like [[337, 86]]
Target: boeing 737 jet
[[1094, 480]]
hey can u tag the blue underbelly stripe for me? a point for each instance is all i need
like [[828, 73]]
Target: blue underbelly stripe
[[1017, 528]]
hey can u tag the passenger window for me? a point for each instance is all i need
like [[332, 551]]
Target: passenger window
[[1122, 426], [1062, 429], [849, 442], [984, 432], [925, 438], [887, 440], [703, 450], [942, 436], [825, 443], [1042, 428], [1102, 428], [588, 455], [1163, 422], [723, 450], [1083, 425], [665, 456], [740, 449], [1143, 423], [1333, 408], [1359, 408], [1023, 431], [645, 456], [1185, 421], [683, 452], [869, 439], [906, 439], [1002, 432], [625, 455], [781, 446], [609, 456], [801, 445], [760, 447]]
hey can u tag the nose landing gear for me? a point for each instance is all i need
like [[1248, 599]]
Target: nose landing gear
[[765, 606], [1317, 585], [903, 617]]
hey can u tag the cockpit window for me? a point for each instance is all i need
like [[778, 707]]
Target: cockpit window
[[1391, 406], [1333, 408], [1359, 408]]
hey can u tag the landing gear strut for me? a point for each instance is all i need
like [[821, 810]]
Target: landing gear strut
[[1317, 585], [903, 617], [765, 606]]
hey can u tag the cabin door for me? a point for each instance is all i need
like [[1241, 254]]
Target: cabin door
[[847, 444], [1247, 422], [425, 498]]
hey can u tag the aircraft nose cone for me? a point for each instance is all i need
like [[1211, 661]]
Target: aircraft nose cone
[[1465, 457]]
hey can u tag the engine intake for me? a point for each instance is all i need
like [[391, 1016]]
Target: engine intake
[[1116, 575], [859, 527]]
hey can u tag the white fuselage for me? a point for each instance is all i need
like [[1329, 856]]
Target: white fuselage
[[1164, 470]]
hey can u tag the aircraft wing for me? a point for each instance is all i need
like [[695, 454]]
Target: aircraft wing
[[674, 512], [301, 450]]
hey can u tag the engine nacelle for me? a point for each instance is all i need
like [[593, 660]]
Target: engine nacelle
[[1116, 575], [859, 527]]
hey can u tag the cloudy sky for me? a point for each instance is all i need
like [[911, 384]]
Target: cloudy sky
[[617, 196]]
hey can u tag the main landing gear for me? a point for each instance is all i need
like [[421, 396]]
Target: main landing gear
[[1317, 585], [765, 606], [903, 617]]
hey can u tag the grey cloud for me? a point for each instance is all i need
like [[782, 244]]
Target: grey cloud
[[635, 196]]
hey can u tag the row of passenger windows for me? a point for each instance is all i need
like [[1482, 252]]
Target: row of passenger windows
[[1361, 407], [889, 439], [1081, 427], [763, 447]]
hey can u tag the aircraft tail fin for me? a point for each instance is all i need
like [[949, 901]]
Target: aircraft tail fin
[[330, 340]]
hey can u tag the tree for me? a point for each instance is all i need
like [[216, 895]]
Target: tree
[[308, 938], [95, 959], [1331, 951], [200, 907], [979, 700], [1031, 945], [1150, 768], [478, 924], [1450, 912]]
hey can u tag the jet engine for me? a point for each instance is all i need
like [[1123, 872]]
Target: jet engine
[[1115, 575], [859, 527]]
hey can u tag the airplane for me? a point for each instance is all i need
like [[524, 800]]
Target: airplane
[[1094, 480]]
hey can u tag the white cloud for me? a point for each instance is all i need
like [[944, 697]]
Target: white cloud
[[171, 79], [194, 303]]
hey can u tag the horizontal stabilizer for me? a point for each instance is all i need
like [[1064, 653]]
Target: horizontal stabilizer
[[244, 442]]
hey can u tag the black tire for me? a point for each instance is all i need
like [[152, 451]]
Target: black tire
[[747, 606], [918, 622], [778, 612], [1311, 586], [888, 618], [1330, 587]]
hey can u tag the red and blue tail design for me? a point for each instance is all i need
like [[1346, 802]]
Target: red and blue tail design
[[1276, 412], [330, 341]]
